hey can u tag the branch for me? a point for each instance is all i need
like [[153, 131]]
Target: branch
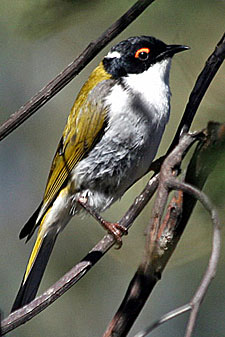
[[210, 272], [29, 311], [165, 318], [19, 317], [26, 313], [164, 235], [149, 270], [73, 69], [215, 254]]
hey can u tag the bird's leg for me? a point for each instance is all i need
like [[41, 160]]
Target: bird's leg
[[115, 229]]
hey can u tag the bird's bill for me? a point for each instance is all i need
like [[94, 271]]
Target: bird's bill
[[172, 49]]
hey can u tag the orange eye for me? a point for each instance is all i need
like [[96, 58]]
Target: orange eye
[[142, 54]]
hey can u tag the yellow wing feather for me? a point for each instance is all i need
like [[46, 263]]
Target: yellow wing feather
[[84, 124]]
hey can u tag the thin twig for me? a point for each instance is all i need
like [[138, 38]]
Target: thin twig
[[73, 69], [210, 272], [214, 258], [165, 318]]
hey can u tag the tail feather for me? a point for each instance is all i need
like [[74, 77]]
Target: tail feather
[[30, 226], [35, 269]]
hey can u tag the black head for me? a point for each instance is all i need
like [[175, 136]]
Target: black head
[[137, 54]]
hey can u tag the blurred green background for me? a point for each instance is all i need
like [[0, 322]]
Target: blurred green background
[[38, 39]]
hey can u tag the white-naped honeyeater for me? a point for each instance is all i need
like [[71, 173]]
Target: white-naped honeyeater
[[110, 139]]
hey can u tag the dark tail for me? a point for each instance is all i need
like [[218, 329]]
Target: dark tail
[[35, 269]]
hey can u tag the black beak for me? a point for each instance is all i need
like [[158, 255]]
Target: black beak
[[171, 49]]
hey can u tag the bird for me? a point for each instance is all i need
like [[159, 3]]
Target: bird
[[109, 142]]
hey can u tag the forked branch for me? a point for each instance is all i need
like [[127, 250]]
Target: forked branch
[[210, 272], [164, 233]]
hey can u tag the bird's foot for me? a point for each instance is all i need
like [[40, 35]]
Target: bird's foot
[[115, 229]]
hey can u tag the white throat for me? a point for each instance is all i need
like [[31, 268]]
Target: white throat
[[144, 103], [153, 87]]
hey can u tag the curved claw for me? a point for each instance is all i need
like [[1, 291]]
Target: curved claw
[[116, 230]]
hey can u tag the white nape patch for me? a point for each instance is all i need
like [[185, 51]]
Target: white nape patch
[[114, 54], [153, 86]]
